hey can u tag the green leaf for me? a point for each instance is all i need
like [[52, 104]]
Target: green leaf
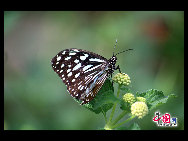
[[154, 98], [104, 100], [134, 126], [126, 89], [124, 105]]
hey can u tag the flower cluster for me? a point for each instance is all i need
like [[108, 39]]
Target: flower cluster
[[138, 105], [122, 78], [141, 99], [129, 98], [139, 109]]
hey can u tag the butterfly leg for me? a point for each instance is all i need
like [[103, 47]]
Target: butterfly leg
[[118, 68]]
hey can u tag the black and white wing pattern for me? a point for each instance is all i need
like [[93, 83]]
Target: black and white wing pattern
[[83, 72]]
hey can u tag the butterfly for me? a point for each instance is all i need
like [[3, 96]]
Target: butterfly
[[83, 72]]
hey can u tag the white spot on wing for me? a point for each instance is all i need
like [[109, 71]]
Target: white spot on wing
[[76, 50], [77, 66], [58, 58], [73, 80], [72, 53], [96, 60], [68, 70], [84, 57], [87, 67], [69, 74], [67, 58], [61, 71], [79, 86], [79, 82], [76, 61], [77, 75], [93, 68], [62, 65]]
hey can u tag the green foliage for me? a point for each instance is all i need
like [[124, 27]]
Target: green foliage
[[124, 105], [105, 100], [154, 98], [125, 89]]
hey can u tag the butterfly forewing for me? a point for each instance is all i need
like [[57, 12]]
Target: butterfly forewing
[[82, 72]]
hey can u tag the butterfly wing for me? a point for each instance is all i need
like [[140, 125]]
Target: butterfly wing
[[89, 95], [82, 72]]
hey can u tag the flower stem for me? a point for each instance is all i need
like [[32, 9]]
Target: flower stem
[[119, 117], [117, 125], [119, 86], [114, 107], [112, 113], [104, 114]]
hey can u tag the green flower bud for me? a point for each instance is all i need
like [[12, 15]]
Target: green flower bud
[[129, 98], [139, 109], [122, 78], [141, 99]]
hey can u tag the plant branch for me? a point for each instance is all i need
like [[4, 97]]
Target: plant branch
[[119, 117], [114, 107], [117, 125], [104, 114]]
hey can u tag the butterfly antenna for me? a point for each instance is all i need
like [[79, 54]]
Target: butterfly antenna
[[123, 51], [115, 46]]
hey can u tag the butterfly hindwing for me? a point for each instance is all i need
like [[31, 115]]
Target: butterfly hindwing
[[92, 93]]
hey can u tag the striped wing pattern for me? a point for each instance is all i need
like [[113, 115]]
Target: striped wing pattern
[[83, 72]]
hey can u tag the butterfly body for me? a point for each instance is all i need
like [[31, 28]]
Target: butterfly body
[[83, 72]]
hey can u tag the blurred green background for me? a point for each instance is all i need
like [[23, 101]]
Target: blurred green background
[[35, 97]]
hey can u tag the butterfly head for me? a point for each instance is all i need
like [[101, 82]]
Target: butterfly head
[[113, 60]]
